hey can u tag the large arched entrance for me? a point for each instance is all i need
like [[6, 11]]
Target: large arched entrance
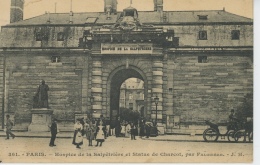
[[115, 80]]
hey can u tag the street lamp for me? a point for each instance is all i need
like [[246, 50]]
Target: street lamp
[[156, 100], [91, 98]]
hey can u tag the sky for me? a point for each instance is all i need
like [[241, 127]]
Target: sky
[[34, 8]]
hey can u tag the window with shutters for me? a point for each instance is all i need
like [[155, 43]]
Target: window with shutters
[[38, 36], [55, 59], [202, 59]]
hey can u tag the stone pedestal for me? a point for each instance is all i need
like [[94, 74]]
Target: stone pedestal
[[41, 120]]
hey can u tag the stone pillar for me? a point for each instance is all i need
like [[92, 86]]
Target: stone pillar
[[157, 89], [96, 89]]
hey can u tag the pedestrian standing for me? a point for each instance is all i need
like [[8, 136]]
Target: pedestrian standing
[[123, 130], [127, 130], [54, 132], [91, 129], [100, 133], [133, 131], [9, 126], [77, 138], [107, 127], [147, 129], [142, 130], [117, 127]]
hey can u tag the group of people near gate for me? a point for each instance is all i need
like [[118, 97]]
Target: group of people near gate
[[132, 129], [92, 129], [99, 129]]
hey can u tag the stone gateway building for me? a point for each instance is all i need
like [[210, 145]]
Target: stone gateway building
[[198, 63]]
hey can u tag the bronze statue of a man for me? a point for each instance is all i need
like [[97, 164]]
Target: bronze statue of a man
[[41, 97]]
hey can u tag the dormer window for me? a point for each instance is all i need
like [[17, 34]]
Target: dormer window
[[130, 11], [235, 34], [203, 17]]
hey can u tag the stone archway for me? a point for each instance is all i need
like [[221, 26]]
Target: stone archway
[[115, 80]]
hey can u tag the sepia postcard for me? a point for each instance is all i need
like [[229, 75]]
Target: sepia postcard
[[126, 81]]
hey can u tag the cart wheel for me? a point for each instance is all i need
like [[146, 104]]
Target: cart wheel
[[210, 135], [240, 136], [230, 136], [250, 136]]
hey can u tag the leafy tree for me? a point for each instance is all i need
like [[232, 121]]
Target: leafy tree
[[129, 115]]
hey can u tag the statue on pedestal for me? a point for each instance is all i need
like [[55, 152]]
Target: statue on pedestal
[[40, 100]]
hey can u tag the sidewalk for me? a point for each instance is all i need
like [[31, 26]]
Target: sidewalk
[[193, 138], [38, 134]]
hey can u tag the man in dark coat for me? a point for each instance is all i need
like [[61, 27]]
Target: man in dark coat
[[233, 120], [117, 127], [147, 129], [9, 126], [54, 132]]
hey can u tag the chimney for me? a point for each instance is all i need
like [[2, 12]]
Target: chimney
[[49, 18], [158, 5], [71, 17], [110, 5], [16, 11]]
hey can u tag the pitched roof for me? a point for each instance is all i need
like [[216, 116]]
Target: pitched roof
[[147, 17]]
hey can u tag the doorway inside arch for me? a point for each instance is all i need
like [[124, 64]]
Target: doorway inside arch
[[127, 95], [131, 100]]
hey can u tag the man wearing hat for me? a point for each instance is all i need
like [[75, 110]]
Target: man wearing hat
[[54, 132], [9, 126], [232, 119]]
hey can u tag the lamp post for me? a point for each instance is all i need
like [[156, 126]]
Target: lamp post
[[91, 98], [156, 100]]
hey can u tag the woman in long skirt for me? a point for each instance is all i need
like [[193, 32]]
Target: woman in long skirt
[[77, 138], [100, 133], [127, 130], [142, 128]]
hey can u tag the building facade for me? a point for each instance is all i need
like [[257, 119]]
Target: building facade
[[199, 63], [132, 95]]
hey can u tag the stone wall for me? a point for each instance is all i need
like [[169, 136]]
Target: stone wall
[[192, 91], [26, 36], [1, 85], [207, 90], [24, 72]]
